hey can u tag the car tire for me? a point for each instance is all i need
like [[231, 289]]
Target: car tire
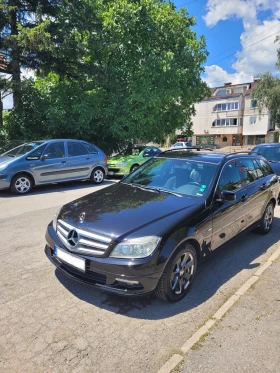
[[178, 275], [267, 219], [21, 184], [97, 176], [134, 167]]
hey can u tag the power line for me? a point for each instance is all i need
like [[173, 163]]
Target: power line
[[259, 59], [248, 46], [190, 2], [237, 45]]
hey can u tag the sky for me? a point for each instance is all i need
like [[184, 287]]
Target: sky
[[240, 37]]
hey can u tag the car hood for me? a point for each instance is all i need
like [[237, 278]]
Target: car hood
[[121, 209], [4, 161], [121, 158]]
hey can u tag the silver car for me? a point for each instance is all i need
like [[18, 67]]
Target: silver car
[[51, 161]]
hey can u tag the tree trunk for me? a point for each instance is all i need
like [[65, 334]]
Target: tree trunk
[[15, 59]]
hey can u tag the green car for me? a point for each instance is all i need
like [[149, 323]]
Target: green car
[[130, 159]]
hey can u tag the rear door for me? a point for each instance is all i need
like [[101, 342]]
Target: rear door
[[79, 163], [229, 218], [255, 188], [51, 167]]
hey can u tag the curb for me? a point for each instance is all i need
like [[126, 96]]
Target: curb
[[176, 358]]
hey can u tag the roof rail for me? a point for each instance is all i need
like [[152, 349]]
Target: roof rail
[[241, 152], [190, 148]]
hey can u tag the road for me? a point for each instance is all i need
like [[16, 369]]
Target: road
[[49, 323]]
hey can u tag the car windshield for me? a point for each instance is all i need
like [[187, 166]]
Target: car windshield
[[23, 149], [176, 176], [271, 153], [131, 151]]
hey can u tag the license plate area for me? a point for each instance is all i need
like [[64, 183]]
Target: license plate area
[[70, 259]]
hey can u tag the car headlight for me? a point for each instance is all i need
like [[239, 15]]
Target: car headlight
[[3, 166], [120, 164], [136, 248], [54, 222]]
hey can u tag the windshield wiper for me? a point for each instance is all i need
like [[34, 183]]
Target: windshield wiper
[[273, 161], [169, 192], [154, 189]]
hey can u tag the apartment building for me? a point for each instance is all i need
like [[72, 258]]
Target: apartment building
[[230, 117]]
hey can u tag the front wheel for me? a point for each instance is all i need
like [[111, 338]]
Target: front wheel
[[178, 275], [21, 184], [97, 176], [267, 219]]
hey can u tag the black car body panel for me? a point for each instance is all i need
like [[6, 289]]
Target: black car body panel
[[128, 211]]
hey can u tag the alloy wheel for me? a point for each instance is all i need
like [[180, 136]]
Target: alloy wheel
[[182, 273], [98, 176], [268, 217], [22, 185]]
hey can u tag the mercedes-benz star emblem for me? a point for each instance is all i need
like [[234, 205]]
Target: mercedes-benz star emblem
[[82, 217], [73, 238]]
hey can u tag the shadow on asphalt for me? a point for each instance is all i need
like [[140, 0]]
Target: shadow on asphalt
[[61, 187], [211, 275]]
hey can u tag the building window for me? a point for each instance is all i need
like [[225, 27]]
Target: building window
[[221, 92], [253, 120], [260, 139], [227, 106], [254, 104], [226, 122]]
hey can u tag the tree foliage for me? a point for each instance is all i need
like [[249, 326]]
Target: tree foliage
[[118, 70], [267, 92]]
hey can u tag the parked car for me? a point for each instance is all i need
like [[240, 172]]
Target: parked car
[[149, 231], [272, 153], [51, 161], [181, 144], [130, 159]]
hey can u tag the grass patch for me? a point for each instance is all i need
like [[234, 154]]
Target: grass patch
[[199, 343]]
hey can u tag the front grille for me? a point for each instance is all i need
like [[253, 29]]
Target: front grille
[[113, 169], [80, 241]]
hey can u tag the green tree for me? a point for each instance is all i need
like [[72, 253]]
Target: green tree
[[23, 33], [267, 93], [122, 69]]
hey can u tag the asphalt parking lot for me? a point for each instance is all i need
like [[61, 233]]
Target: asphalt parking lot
[[49, 323]]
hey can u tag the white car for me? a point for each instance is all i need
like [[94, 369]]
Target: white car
[[181, 144]]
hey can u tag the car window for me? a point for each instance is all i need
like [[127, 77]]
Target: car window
[[36, 154], [265, 167], [55, 150], [230, 178], [183, 176], [259, 171], [76, 149], [22, 149], [271, 153], [91, 149], [248, 172]]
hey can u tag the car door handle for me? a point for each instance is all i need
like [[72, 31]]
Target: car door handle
[[87, 158], [63, 161], [244, 197], [265, 185]]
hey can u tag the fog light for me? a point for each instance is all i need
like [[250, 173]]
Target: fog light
[[127, 281]]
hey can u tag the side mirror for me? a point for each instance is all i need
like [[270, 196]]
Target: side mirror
[[44, 157], [227, 196]]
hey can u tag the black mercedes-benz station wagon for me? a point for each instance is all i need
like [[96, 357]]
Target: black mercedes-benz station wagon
[[149, 231]]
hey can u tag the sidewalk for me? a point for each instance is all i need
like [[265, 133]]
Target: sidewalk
[[247, 339]]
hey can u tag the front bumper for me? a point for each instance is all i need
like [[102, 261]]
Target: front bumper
[[118, 171], [4, 182], [100, 273]]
